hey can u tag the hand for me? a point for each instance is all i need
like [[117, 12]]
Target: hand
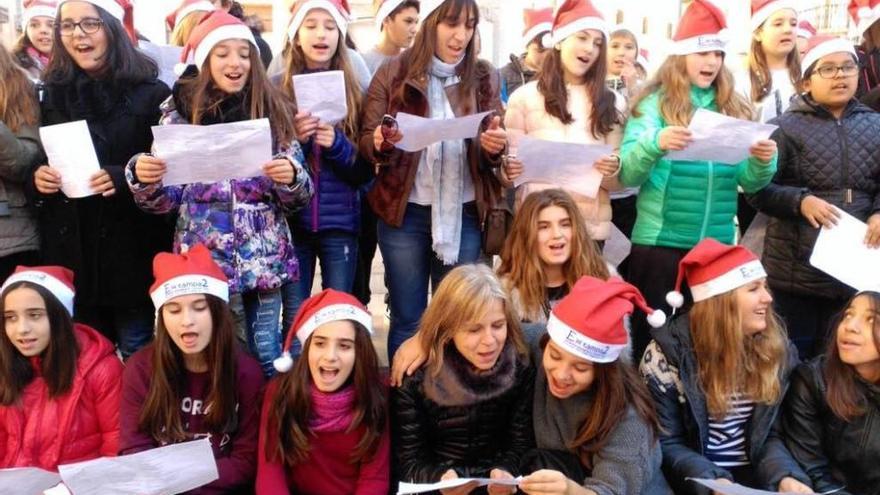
[[763, 150], [675, 138], [629, 74], [872, 238], [379, 139], [500, 474], [306, 126], [408, 358], [281, 171], [494, 139], [148, 169], [512, 167], [819, 212], [789, 484], [545, 482], [607, 165], [102, 183], [325, 135], [723, 481], [461, 490], [47, 180]]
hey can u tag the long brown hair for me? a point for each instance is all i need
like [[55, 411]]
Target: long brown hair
[[265, 100], [676, 108], [291, 406], [731, 362], [160, 416], [759, 71], [295, 63], [420, 56], [844, 396], [551, 83], [521, 268], [616, 386], [461, 299], [18, 102], [58, 360]]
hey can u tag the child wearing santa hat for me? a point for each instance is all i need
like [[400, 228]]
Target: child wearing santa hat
[[682, 202], [327, 229], [805, 31], [718, 374], [59, 380], [182, 20], [595, 425], [194, 381], [34, 46], [829, 162], [522, 69], [397, 22], [581, 108], [324, 426], [241, 221], [99, 76], [865, 14]]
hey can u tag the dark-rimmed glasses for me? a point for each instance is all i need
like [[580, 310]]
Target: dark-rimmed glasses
[[831, 71], [89, 25]]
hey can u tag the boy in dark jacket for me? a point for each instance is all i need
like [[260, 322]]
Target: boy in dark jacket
[[524, 68]]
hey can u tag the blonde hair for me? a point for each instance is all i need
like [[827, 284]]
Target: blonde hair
[[462, 298], [182, 30], [731, 362], [676, 108]]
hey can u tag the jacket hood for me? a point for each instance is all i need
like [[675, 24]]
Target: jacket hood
[[93, 347]]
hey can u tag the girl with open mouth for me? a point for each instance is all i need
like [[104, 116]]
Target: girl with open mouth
[[34, 47]]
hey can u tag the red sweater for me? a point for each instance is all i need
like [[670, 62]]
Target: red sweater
[[328, 471], [233, 452]]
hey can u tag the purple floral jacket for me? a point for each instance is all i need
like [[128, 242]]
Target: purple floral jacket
[[241, 221]]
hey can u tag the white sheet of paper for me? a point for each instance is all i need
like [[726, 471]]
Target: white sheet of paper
[[841, 253], [162, 471], [412, 488], [419, 132], [617, 247], [720, 138], [27, 481], [166, 57], [211, 153], [568, 165], [322, 94], [58, 489], [70, 150], [736, 489]]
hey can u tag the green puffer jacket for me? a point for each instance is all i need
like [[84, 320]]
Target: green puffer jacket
[[681, 203]]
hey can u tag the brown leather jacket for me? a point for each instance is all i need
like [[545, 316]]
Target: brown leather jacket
[[397, 174]]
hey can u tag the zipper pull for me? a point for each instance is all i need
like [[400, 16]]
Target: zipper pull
[[849, 197]]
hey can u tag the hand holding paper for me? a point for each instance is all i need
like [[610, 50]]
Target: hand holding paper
[[494, 139], [568, 165], [72, 156], [419, 132], [322, 95], [841, 252], [725, 487], [413, 488], [717, 138]]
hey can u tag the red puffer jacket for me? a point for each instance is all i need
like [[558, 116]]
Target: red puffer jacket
[[80, 425]]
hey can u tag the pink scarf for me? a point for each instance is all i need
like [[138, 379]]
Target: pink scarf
[[331, 412], [42, 60]]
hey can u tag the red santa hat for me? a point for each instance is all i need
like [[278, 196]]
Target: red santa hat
[[121, 10], [702, 28], [805, 29], [536, 22], [192, 272], [763, 9], [55, 279], [186, 8], [588, 322], [384, 10], [324, 307], [643, 58], [574, 16], [823, 44], [38, 8], [864, 13], [338, 10], [214, 28], [713, 268]]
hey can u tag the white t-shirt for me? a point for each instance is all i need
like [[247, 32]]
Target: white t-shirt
[[781, 93]]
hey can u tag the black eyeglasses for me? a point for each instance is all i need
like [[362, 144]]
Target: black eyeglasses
[[830, 71], [389, 128], [89, 25]]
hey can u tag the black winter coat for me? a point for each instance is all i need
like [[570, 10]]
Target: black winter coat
[[670, 368], [833, 452], [108, 242], [464, 420], [837, 161]]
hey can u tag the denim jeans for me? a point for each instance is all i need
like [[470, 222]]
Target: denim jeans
[[130, 328], [262, 318], [337, 251], [410, 263]]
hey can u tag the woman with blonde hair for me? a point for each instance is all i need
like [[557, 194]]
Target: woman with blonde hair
[[718, 374], [467, 412]]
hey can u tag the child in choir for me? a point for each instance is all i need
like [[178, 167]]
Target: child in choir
[[324, 428], [34, 47], [193, 381], [60, 381], [522, 69], [182, 20], [718, 374]]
